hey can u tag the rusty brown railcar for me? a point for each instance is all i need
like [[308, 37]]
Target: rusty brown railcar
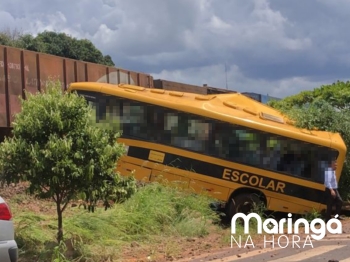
[[26, 70], [182, 87], [23, 70]]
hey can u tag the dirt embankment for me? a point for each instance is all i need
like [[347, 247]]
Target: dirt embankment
[[172, 250]]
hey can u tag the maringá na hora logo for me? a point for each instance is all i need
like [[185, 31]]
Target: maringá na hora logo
[[270, 227]]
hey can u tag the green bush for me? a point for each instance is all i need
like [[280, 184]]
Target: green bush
[[154, 213]]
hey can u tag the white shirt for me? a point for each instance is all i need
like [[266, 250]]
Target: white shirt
[[330, 180]]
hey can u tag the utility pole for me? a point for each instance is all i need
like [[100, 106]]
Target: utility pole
[[226, 75]]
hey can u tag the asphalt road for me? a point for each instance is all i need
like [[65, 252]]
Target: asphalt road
[[332, 247]]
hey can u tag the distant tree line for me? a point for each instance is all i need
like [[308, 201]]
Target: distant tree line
[[54, 43]]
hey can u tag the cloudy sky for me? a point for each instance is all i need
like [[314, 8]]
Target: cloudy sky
[[271, 47]]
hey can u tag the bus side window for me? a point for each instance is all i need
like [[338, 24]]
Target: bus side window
[[182, 137], [226, 142], [144, 121], [113, 114], [138, 119], [94, 116], [171, 128], [101, 109], [235, 147], [200, 135], [163, 127], [297, 158], [247, 146], [324, 157], [149, 128], [221, 146], [321, 168], [207, 136], [153, 128], [126, 119], [272, 154]]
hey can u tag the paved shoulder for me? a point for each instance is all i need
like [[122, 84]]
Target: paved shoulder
[[330, 248]]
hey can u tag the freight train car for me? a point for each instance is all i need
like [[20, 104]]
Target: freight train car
[[22, 70], [259, 97], [206, 90], [182, 87]]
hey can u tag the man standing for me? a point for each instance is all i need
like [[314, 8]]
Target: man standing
[[332, 194]]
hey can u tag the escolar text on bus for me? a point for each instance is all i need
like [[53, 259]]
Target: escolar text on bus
[[253, 180]]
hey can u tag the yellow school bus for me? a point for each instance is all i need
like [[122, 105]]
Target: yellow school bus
[[232, 147]]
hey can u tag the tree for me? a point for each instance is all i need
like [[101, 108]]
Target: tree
[[55, 148], [325, 108], [28, 42], [336, 94], [63, 45], [9, 37], [86, 51], [5, 40], [54, 43], [108, 60]]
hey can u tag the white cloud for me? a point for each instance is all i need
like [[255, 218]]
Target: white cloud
[[281, 47], [237, 81]]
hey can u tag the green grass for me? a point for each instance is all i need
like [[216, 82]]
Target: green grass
[[152, 218], [34, 232]]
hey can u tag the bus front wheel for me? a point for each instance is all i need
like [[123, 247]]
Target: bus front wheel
[[244, 203]]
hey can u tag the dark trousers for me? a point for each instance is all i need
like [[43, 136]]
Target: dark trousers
[[331, 201]]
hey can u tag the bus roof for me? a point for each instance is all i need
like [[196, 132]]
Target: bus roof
[[234, 108]]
